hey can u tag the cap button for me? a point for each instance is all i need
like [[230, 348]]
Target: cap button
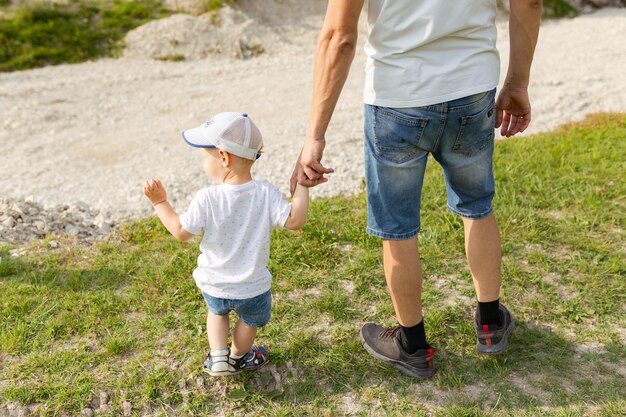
[[245, 115]]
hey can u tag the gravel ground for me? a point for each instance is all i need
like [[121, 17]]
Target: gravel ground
[[91, 133]]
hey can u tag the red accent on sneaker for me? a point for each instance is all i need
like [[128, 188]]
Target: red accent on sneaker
[[487, 336], [431, 352], [258, 355]]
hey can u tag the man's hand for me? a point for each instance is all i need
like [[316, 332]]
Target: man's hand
[[512, 110], [309, 170], [154, 190]]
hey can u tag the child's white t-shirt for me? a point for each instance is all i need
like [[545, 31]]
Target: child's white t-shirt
[[237, 221]]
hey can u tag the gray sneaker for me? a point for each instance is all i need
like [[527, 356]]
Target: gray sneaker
[[492, 339], [384, 344]]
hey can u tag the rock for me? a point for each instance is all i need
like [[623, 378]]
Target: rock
[[71, 229], [128, 409], [16, 410], [16, 211], [229, 32], [80, 206], [22, 221], [88, 412], [105, 229], [99, 220], [104, 398]]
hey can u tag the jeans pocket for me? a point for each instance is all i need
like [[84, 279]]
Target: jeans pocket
[[397, 135], [477, 131]]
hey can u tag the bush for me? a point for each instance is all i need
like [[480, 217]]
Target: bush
[[41, 35], [558, 8]]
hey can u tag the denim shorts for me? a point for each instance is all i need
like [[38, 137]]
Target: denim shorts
[[459, 134], [255, 311]]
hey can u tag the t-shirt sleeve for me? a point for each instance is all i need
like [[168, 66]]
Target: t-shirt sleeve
[[195, 219], [279, 208]]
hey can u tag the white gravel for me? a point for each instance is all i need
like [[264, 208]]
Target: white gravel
[[94, 132]]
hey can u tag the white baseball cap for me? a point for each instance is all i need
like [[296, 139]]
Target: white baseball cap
[[230, 131]]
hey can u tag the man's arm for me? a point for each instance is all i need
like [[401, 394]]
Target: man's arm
[[513, 106], [334, 53]]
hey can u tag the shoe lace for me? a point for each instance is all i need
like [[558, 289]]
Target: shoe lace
[[390, 332]]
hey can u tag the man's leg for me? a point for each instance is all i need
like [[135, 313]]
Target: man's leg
[[396, 154], [482, 247], [493, 321], [403, 272], [405, 346]]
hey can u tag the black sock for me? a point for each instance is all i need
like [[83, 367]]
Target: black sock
[[489, 313], [413, 338]]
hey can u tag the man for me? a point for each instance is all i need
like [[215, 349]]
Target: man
[[431, 74]]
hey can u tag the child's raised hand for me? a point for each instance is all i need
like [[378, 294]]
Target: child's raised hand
[[154, 190]]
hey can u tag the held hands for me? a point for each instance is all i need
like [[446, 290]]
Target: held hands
[[512, 110], [309, 170], [154, 190]]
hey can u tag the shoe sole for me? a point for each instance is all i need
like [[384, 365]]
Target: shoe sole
[[223, 373], [227, 373], [403, 368], [256, 367], [498, 348]]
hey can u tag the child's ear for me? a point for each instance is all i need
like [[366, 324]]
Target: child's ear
[[225, 158]]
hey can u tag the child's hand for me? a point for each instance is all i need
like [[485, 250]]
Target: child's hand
[[154, 190]]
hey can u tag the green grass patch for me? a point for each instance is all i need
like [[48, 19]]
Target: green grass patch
[[125, 317], [213, 5], [39, 34], [558, 8]]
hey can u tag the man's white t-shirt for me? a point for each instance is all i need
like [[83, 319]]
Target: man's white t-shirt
[[422, 52], [237, 221]]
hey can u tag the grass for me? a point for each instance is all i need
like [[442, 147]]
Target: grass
[[43, 34], [124, 316]]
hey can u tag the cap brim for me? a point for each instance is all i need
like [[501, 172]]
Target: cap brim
[[195, 137]]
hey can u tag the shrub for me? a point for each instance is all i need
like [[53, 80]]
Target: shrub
[[558, 8]]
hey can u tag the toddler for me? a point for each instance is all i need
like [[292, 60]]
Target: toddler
[[236, 217]]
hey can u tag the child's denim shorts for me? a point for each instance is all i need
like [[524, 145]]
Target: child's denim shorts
[[255, 311], [459, 134]]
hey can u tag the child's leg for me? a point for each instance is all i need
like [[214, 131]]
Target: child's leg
[[243, 337], [217, 331]]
